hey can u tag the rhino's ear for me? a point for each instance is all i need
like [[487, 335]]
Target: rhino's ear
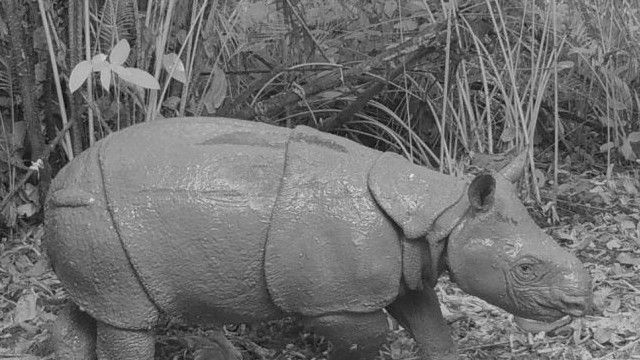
[[514, 170], [411, 195], [481, 192]]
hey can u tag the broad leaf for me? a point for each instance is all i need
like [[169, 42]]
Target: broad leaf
[[628, 259], [120, 52], [99, 62], [634, 137], [390, 7], [171, 103], [607, 146], [79, 74], [564, 65], [626, 150], [98, 58], [26, 308], [26, 210], [217, 92], [508, 134], [105, 78], [137, 77], [175, 67]]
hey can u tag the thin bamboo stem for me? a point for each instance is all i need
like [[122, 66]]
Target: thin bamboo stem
[[87, 47], [66, 144]]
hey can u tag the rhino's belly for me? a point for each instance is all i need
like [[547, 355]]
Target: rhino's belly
[[192, 202]]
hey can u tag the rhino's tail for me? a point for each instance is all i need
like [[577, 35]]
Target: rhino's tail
[[71, 198]]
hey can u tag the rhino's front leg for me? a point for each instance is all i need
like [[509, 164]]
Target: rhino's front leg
[[419, 312], [120, 344], [216, 346], [352, 335]]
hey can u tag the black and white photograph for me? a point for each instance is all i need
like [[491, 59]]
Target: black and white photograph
[[319, 179]]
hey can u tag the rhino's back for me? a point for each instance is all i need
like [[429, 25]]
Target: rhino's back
[[192, 199]]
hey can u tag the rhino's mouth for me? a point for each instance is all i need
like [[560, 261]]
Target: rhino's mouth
[[574, 305], [550, 312], [559, 313]]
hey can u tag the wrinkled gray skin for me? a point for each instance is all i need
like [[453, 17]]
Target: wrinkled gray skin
[[212, 220]]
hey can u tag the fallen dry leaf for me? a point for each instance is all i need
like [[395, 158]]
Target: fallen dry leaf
[[628, 259], [26, 307]]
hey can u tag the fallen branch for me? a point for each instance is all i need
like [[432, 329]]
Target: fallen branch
[[430, 38], [373, 88], [484, 346], [629, 346]]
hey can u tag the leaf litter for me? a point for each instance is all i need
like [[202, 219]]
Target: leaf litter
[[599, 221]]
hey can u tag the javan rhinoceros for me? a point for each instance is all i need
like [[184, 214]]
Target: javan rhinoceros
[[214, 220]]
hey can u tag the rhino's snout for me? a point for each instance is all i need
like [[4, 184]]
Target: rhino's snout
[[571, 294], [580, 301], [575, 305]]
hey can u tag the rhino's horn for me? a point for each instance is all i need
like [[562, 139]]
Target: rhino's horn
[[514, 170]]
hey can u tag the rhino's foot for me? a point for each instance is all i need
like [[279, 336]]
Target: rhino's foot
[[419, 313], [352, 336], [119, 344], [74, 335], [215, 347]]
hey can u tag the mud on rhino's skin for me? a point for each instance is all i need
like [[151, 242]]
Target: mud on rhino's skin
[[85, 250], [213, 220]]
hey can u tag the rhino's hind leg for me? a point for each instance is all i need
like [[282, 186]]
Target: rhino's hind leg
[[74, 335], [352, 335], [120, 344]]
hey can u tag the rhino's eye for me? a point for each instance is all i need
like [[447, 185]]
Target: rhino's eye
[[526, 271]]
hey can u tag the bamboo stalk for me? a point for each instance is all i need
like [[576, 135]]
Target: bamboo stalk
[[87, 46], [173, 68], [66, 144], [160, 45]]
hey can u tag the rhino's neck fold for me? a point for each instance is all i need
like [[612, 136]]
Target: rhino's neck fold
[[438, 234]]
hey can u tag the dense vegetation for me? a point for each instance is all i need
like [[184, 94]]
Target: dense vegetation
[[453, 85]]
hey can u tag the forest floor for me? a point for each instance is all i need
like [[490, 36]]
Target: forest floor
[[599, 222]]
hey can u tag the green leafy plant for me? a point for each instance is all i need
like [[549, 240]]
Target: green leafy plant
[[109, 66]]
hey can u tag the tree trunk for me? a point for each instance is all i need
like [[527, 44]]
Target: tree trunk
[[22, 60]]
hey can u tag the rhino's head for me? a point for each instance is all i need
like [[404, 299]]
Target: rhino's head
[[496, 252], [485, 237]]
